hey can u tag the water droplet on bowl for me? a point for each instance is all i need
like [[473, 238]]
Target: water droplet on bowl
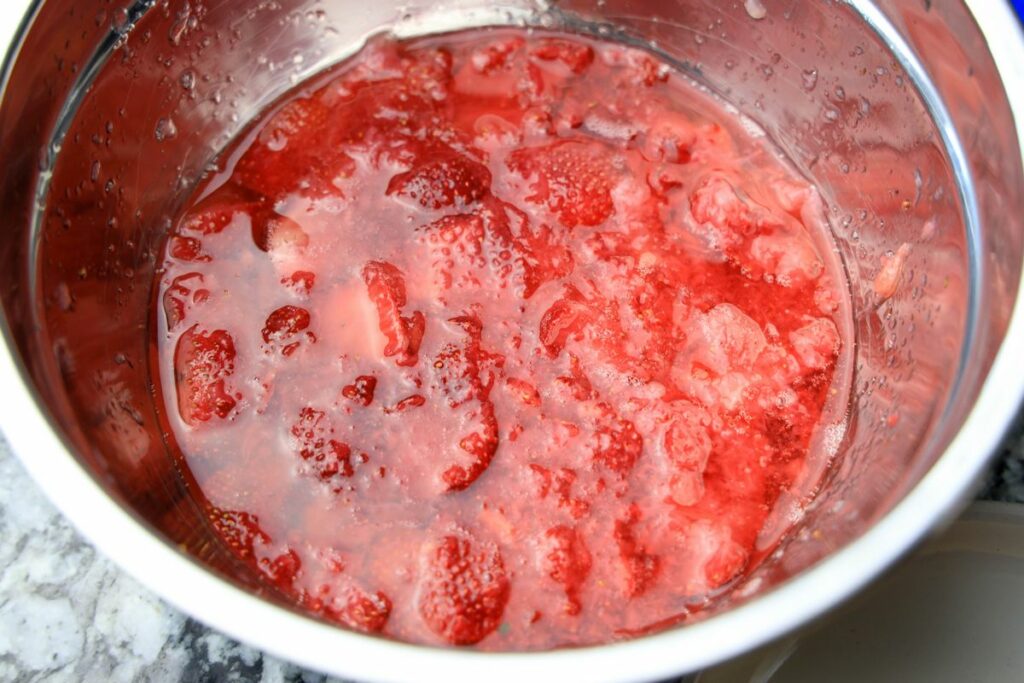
[[165, 129]]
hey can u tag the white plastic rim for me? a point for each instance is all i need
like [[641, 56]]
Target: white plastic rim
[[226, 608]]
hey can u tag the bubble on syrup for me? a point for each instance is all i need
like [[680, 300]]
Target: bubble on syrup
[[809, 79], [755, 8], [166, 129]]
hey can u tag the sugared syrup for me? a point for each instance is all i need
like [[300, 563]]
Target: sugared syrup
[[500, 338]]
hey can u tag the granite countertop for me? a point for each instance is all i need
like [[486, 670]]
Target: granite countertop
[[68, 614]]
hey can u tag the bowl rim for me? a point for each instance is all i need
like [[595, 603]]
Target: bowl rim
[[195, 590]]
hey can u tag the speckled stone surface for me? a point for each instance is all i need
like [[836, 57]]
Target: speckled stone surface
[[68, 614]]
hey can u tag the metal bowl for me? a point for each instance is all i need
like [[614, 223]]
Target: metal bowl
[[903, 112]]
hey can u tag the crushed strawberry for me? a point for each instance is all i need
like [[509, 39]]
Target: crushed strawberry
[[504, 339]]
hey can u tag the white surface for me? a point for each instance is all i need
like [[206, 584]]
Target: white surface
[[11, 12], [68, 614], [951, 614]]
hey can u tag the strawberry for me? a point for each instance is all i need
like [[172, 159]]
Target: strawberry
[[463, 589], [446, 179], [567, 318], [239, 530], [220, 209], [361, 390], [639, 568], [289, 155], [576, 56], [186, 249], [301, 282], [386, 287], [282, 570], [285, 322], [313, 443], [274, 233], [456, 377], [573, 179], [615, 443], [362, 611], [183, 292], [567, 561], [203, 362]]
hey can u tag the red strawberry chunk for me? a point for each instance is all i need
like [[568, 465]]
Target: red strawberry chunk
[[575, 56], [239, 530], [457, 377], [183, 292], [639, 568], [566, 319], [186, 249], [217, 211], [573, 179], [282, 570], [362, 611], [463, 589], [616, 445], [326, 456], [203, 363], [386, 287], [286, 159], [285, 322], [361, 390], [444, 180], [301, 282], [567, 561]]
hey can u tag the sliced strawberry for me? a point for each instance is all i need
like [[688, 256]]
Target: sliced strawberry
[[221, 208], [495, 54], [456, 245], [544, 259], [567, 561], [386, 287], [573, 179], [288, 155], [274, 233], [203, 362], [443, 180], [457, 377], [463, 589], [523, 391]]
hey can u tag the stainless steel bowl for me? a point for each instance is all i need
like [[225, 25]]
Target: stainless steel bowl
[[902, 111]]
